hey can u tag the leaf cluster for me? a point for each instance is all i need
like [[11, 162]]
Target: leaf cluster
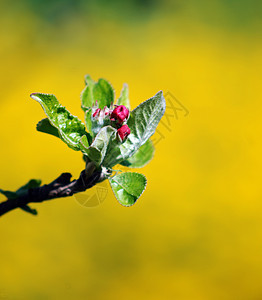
[[98, 140]]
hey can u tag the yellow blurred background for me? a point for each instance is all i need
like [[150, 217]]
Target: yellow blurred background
[[196, 232]]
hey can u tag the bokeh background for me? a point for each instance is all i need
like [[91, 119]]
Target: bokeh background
[[196, 233]]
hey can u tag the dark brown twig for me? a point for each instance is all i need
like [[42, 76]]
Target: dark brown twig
[[60, 187]]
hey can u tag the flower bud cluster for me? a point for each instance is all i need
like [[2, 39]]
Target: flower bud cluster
[[100, 114], [118, 117]]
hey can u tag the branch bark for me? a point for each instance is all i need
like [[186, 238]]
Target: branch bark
[[60, 187]]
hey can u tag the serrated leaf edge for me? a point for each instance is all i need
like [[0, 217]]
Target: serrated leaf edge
[[130, 194], [125, 85], [144, 163], [95, 82], [62, 136]]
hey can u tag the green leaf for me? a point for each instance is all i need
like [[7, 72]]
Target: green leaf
[[142, 122], [33, 183], [70, 128], [141, 157], [88, 121], [100, 91], [8, 194], [46, 127], [28, 209], [87, 93], [97, 151], [124, 97], [128, 187], [113, 152]]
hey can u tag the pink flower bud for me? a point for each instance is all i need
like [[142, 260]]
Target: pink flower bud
[[96, 113], [120, 114], [123, 132]]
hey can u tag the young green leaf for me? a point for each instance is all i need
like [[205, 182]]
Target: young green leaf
[[46, 127], [88, 121], [97, 151], [113, 154], [141, 157], [70, 128], [31, 184], [142, 122], [124, 97], [8, 194], [28, 209], [100, 91], [86, 96], [128, 187]]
